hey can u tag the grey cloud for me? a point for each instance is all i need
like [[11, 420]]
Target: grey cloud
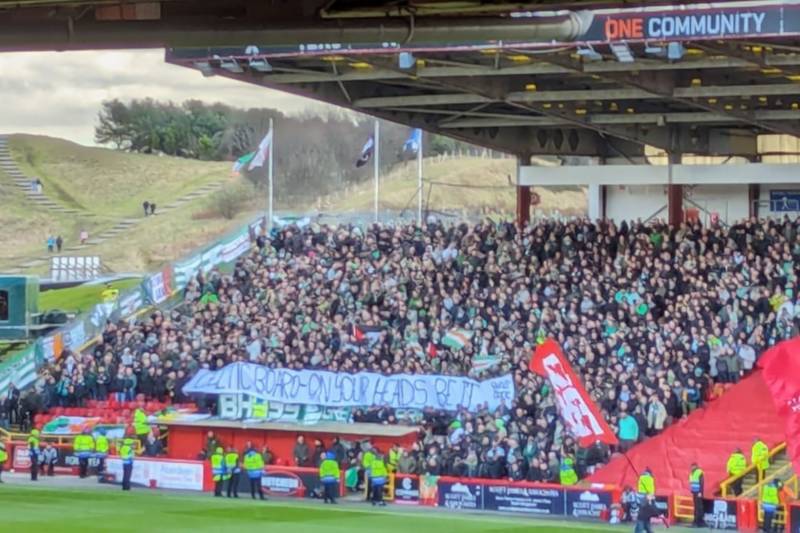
[[60, 93]]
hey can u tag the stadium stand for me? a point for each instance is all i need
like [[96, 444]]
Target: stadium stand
[[655, 319]]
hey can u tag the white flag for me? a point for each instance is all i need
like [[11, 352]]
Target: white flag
[[262, 152]]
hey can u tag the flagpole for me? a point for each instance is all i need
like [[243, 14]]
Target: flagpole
[[419, 180], [270, 172], [377, 164]]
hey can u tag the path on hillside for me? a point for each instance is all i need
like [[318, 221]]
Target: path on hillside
[[39, 200]]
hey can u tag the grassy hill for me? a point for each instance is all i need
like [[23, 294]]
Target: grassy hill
[[108, 182], [107, 186], [472, 184]]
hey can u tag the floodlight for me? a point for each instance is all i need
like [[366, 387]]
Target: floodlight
[[231, 65], [589, 53], [622, 52], [675, 51], [260, 64], [204, 67], [406, 60]]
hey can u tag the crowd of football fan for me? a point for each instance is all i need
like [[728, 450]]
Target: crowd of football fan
[[650, 317]]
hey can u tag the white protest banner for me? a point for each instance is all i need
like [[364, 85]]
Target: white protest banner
[[159, 473], [237, 246], [353, 390]]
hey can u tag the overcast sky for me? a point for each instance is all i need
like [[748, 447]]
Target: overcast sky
[[59, 94]]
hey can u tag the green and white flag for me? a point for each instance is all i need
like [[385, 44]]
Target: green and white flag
[[457, 338], [242, 161], [484, 362], [416, 347]]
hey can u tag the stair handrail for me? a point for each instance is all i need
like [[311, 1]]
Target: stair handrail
[[784, 473], [725, 485], [13, 437]]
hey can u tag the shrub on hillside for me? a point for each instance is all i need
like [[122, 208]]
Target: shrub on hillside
[[231, 201]]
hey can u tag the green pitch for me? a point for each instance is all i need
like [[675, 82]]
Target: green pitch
[[45, 510]]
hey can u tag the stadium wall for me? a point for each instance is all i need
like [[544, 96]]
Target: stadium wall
[[187, 442], [730, 202]]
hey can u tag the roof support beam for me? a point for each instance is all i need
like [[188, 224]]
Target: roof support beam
[[781, 89], [615, 118], [535, 69], [662, 84]]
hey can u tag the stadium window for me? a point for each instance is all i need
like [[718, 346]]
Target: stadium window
[[3, 306]]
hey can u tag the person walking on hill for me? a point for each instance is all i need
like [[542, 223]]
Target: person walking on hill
[[59, 243], [51, 243], [696, 482], [759, 456], [329, 475], [152, 208], [146, 207], [84, 236], [737, 464]]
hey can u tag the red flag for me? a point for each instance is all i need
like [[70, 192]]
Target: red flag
[[358, 334], [579, 412], [781, 373], [432, 351]]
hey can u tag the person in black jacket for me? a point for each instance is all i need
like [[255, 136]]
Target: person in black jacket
[[647, 512]]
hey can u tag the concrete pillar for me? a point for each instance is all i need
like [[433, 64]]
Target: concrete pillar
[[523, 205], [674, 195], [523, 194], [597, 202], [753, 194]]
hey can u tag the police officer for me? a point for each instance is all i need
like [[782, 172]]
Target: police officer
[[84, 449], [329, 475], [140, 425], [33, 453], [696, 483], [394, 458], [366, 461], [759, 456], [3, 458], [232, 471], [101, 452], [218, 470], [737, 464], [126, 453], [254, 464], [567, 474], [377, 476], [647, 485], [769, 503], [49, 458]]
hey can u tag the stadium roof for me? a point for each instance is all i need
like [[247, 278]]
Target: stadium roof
[[530, 78]]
